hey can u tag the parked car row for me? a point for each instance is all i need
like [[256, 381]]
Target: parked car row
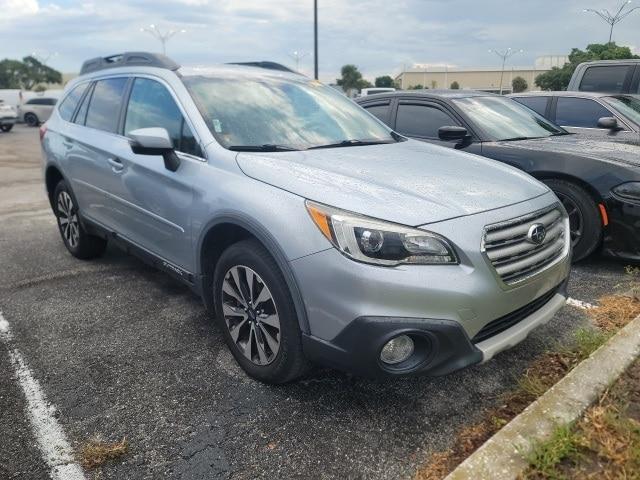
[[316, 233]]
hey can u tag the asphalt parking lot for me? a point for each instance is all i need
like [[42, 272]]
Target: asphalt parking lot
[[121, 350]]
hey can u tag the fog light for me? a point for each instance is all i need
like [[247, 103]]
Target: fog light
[[397, 349]]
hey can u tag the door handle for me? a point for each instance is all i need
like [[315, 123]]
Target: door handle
[[116, 164]]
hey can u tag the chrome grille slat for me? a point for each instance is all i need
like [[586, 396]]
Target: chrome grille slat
[[521, 248], [513, 256], [521, 229]]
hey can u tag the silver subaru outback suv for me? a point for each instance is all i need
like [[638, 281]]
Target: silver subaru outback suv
[[312, 232]]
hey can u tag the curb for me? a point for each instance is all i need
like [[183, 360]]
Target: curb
[[502, 456]]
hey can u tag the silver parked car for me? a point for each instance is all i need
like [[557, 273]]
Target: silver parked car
[[312, 231], [8, 117], [37, 110]]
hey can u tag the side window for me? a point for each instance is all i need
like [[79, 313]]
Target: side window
[[81, 116], [151, 105], [579, 112], [537, 104], [50, 101], [379, 110], [104, 108], [422, 120], [609, 79], [69, 104]]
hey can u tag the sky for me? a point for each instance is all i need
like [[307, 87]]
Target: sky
[[379, 36]]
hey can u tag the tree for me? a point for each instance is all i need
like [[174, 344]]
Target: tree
[[455, 85], [519, 84], [385, 81], [558, 77], [26, 74], [352, 79], [419, 86]]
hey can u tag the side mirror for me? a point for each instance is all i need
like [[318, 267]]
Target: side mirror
[[448, 134], [610, 123], [154, 141]]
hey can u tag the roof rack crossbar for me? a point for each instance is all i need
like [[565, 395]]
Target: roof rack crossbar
[[266, 64], [128, 59]]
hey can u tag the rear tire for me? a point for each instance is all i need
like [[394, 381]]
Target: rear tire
[[584, 217], [79, 243], [6, 128], [31, 119], [256, 314]]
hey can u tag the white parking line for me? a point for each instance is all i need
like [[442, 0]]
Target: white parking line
[[55, 448], [579, 304]]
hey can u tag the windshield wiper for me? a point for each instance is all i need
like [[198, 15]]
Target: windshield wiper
[[515, 139], [267, 147], [350, 143]]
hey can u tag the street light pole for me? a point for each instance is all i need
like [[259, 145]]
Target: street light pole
[[296, 57], [163, 37], [43, 59], [315, 39], [504, 55], [610, 18]]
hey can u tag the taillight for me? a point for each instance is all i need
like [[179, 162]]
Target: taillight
[[43, 130]]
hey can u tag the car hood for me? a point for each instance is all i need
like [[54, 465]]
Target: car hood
[[581, 145], [410, 182]]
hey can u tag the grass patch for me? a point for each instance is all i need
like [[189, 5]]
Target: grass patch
[[612, 313], [605, 443], [96, 452], [615, 311]]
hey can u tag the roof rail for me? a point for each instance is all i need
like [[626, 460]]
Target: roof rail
[[129, 59], [266, 64]]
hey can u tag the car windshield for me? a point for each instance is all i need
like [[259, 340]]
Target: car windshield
[[627, 105], [505, 119], [281, 114]]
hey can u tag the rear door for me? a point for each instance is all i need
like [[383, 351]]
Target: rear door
[[158, 201], [93, 149]]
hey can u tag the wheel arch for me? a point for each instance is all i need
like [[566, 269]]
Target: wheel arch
[[224, 231], [593, 192], [52, 177]]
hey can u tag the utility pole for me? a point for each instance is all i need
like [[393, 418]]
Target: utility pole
[[164, 37], [315, 39], [610, 18], [504, 55]]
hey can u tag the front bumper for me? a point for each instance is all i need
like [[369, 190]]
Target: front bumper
[[8, 120], [622, 235], [354, 308]]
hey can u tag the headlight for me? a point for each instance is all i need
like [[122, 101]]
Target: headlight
[[629, 190], [382, 243]]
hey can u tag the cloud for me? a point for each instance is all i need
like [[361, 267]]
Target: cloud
[[377, 35]]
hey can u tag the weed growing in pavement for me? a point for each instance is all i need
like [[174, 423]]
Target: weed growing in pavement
[[96, 452]]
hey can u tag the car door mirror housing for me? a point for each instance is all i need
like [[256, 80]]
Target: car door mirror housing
[[452, 133], [610, 123], [154, 141]]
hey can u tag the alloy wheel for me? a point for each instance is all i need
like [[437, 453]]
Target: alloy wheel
[[251, 315], [68, 219], [576, 220]]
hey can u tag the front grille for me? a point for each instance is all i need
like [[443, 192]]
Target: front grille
[[514, 257], [503, 323]]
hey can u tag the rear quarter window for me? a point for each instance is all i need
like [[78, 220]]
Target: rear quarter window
[[70, 102], [537, 104]]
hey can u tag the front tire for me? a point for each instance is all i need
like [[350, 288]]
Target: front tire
[[6, 128], [79, 243], [584, 217], [31, 119], [256, 314]]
